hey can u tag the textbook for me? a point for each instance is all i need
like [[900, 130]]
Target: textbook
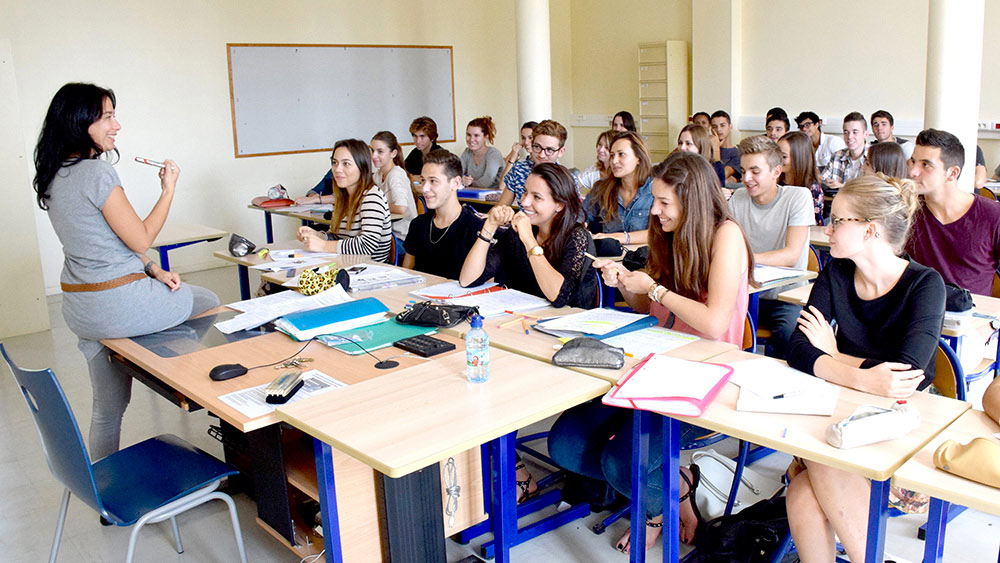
[[356, 340], [596, 323], [304, 325], [669, 385]]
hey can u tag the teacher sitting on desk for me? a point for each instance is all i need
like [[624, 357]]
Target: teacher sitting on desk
[[542, 253], [618, 206], [696, 282], [872, 324], [110, 288], [360, 222]]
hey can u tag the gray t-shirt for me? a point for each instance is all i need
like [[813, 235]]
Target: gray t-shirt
[[487, 173], [765, 226], [93, 252]]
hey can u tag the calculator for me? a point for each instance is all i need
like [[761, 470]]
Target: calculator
[[423, 345]]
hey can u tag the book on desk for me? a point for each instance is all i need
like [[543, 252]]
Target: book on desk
[[669, 385], [305, 325]]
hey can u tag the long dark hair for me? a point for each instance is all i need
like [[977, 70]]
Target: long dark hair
[[802, 155], [607, 188], [563, 189], [346, 204], [65, 139], [888, 158], [390, 141], [680, 259]]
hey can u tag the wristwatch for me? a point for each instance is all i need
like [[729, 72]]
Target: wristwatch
[[537, 251], [654, 292]]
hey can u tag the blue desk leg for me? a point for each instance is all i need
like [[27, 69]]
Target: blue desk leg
[[937, 521], [244, 282], [504, 513], [268, 231], [753, 308], [164, 260], [328, 501], [878, 513], [640, 472], [671, 489]]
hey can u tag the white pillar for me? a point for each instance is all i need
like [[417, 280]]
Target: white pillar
[[534, 66], [954, 74]]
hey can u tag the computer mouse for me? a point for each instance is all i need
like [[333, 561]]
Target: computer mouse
[[223, 372]]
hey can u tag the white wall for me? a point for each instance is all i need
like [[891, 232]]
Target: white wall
[[167, 65]]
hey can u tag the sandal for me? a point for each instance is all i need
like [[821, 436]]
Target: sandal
[[692, 484], [624, 543], [525, 485]]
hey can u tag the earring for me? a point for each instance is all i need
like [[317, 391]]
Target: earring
[[878, 234]]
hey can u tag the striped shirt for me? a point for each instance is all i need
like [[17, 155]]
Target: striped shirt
[[371, 231]]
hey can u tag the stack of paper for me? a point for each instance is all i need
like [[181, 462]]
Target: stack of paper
[[497, 302], [452, 289], [766, 274], [669, 385], [369, 277], [651, 340], [768, 385], [596, 323], [265, 309]]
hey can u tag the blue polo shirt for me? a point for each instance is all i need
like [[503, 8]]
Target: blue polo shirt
[[631, 218]]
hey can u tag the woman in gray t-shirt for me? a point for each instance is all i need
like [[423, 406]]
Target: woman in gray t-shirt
[[110, 288]]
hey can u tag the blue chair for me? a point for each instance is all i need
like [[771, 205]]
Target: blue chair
[[146, 483]]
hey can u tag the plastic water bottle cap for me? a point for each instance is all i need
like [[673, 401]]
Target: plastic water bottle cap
[[901, 402], [477, 321]]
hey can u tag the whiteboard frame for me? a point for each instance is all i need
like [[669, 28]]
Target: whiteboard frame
[[232, 99]]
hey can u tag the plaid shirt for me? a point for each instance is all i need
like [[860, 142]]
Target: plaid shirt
[[842, 168]]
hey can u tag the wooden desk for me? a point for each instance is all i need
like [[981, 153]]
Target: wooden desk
[[799, 435], [176, 235], [283, 465], [920, 474], [252, 259], [818, 238], [412, 419]]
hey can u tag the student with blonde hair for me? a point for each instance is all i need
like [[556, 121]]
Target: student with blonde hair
[[601, 169], [482, 164], [695, 138], [872, 324], [618, 206]]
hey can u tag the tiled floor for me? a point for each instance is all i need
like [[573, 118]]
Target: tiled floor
[[31, 497]]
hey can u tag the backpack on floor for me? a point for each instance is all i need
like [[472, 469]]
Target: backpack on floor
[[751, 536]]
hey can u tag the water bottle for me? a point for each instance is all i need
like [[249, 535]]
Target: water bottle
[[477, 352]]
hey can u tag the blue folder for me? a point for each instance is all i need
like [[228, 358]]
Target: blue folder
[[304, 325]]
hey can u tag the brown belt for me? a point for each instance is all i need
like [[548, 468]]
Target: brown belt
[[110, 284]]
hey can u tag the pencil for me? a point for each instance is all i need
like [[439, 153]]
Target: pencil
[[526, 315], [591, 256], [509, 323], [524, 323]]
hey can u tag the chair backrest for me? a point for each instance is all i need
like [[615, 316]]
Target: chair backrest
[[949, 377], [987, 193], [418, 199], [749, 335], [57, 427], [814, 264], [995, 292], [393, 256]]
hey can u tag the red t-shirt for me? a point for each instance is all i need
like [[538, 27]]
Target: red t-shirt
[[965, 252]]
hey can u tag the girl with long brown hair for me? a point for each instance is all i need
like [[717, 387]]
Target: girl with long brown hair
[[618, 206], [696, 281], [695, 138], [798, 164], [390, 176], [360, 222], [601, 169]]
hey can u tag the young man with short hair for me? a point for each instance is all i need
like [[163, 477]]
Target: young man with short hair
[[846, 163], [955, 232], [722, 126], [883, 126], [548, 143], [439, 240], [425, 134], [776, 125], [776, 221], [824, 145], [702, 118]]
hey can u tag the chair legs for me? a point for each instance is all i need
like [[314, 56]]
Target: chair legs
[[59, 527], [177, 534]]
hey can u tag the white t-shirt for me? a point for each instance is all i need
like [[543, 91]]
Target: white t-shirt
[[396, 187], [828, 144]]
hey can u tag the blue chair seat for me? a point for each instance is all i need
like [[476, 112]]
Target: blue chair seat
[[123, 479]]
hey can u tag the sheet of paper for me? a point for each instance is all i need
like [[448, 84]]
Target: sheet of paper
[[594, 321], [762, 379], [291, 254], [449, 290], [650, 340], [765, 274], [252, 402], [291, 264], [664, 376], [318, 208], [270, 311], [369, 277], [495, 303], [257, 303]]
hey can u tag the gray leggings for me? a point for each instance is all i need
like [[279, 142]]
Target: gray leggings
[[112, 388]]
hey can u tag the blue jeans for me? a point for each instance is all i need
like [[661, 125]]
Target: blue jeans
[[781, 319], [595, 440]]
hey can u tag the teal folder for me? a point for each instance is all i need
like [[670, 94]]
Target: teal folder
[[304, 325], [372, 337]]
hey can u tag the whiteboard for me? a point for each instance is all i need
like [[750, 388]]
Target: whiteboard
[[304, 98]]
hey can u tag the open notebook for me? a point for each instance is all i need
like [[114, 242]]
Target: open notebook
[[669, 385]]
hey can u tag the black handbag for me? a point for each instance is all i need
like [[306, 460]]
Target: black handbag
[[957, 299], [429, 313]]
